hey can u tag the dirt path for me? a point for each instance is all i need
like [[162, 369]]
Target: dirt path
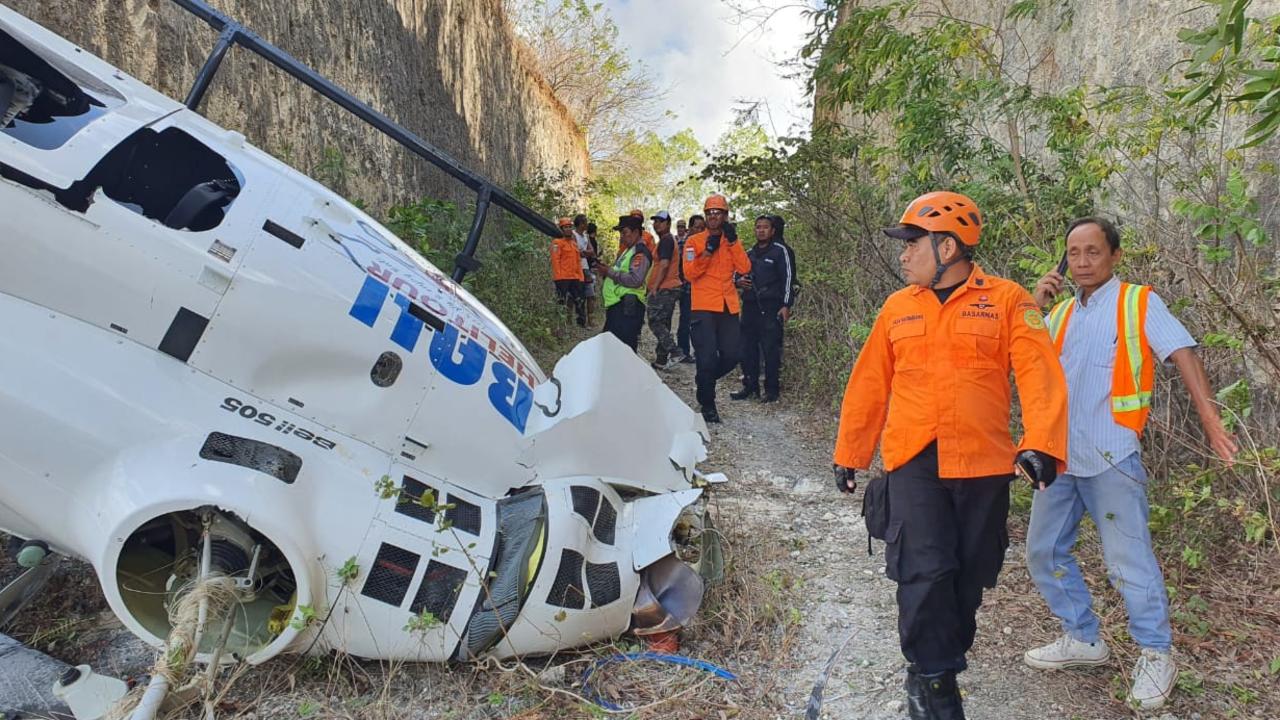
[[779, 463]]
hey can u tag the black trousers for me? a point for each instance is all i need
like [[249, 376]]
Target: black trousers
[[716, 342], [624, 319], [761, 338], [682, 333], [572, 292], [946, 542]]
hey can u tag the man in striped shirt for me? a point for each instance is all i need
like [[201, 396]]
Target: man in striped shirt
[[1109, 336]]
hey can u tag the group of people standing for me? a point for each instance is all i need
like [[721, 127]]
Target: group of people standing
[[571, 254], [931, 388], [733, 303]]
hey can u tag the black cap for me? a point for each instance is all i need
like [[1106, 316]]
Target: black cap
[[629, 221], [903, 231]]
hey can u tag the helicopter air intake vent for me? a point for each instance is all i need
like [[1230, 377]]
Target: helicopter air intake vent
[[253, 454]]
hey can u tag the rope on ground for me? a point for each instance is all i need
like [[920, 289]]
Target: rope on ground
[[175, 659]]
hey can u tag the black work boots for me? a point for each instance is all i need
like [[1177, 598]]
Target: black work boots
[[933, 697], [709, 414], [744, 393]]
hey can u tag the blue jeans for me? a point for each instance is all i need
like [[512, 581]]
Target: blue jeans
[[1117, 502]]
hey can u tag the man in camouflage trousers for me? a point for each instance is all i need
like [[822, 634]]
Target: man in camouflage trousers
[[664, 292]]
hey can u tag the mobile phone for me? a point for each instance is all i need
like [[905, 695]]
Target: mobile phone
[[1062, 265]]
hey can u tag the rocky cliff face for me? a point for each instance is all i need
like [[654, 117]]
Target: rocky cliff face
[[1073, 42], [449, 70]]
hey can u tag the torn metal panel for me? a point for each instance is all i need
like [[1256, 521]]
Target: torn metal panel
[[658, 511], [613, 412]]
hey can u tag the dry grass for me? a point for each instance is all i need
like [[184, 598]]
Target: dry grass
[[1225, 616]]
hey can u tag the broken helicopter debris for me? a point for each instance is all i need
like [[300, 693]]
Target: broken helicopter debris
[[228, 371]]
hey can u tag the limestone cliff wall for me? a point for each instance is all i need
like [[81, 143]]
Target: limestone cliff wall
[[1094, 42], [452, 71]]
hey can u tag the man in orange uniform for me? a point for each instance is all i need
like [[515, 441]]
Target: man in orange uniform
[[710, 259], [931, 384], [566, 271]]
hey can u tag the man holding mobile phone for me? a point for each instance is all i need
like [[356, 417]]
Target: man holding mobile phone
[[1109, 335]]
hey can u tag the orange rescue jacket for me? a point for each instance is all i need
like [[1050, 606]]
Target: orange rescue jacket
[[711, 276], [932, 371], [566, 261], [670, 279]]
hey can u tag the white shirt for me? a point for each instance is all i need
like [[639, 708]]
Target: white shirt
[[583, 243]]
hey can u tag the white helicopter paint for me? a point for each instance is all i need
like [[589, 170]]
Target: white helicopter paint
[[155, 376]]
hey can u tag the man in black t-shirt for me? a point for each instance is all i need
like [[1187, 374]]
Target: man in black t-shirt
[[664, 292]]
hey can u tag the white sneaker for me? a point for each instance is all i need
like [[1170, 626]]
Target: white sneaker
[[1067, 652], [1153, 678]]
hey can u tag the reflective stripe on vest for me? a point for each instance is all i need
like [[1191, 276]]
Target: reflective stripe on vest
[[1133, 377], [613, 292]]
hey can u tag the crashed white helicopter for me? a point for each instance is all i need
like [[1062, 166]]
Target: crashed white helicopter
[[211, 364]]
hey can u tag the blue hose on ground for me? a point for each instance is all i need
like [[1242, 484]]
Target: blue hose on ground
[[702, 665]]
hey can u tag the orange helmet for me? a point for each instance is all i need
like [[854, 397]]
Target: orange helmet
[[716, 202], [637, 213], [566, 222], [941, 211]]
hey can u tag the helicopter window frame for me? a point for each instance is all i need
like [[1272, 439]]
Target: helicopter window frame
[[43, 105], [169, 176]]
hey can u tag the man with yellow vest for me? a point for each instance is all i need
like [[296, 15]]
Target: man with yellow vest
[[710, 260], [566, 271], [1110, 335], [623, 289]]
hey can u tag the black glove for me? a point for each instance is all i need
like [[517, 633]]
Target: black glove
[[713, 244], [1038, 467], [731, 232], [845, 478]]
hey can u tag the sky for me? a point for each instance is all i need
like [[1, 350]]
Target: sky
[[708, 62]]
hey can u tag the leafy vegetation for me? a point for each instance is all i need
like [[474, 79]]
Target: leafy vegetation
[[913, 98]]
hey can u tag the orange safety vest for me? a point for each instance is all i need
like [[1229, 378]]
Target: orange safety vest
[[671, 280], [1133, 378], [566, 261]]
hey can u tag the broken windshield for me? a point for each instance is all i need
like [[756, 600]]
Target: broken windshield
[[39, 105]]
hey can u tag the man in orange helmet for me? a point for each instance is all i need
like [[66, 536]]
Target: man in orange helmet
[[931, 385], [710, 259], [566, 271]]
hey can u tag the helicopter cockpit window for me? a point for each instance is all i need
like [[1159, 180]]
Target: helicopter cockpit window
[[168, 176], [39, 105]]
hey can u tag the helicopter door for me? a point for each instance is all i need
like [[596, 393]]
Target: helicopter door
[[288, 331]]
